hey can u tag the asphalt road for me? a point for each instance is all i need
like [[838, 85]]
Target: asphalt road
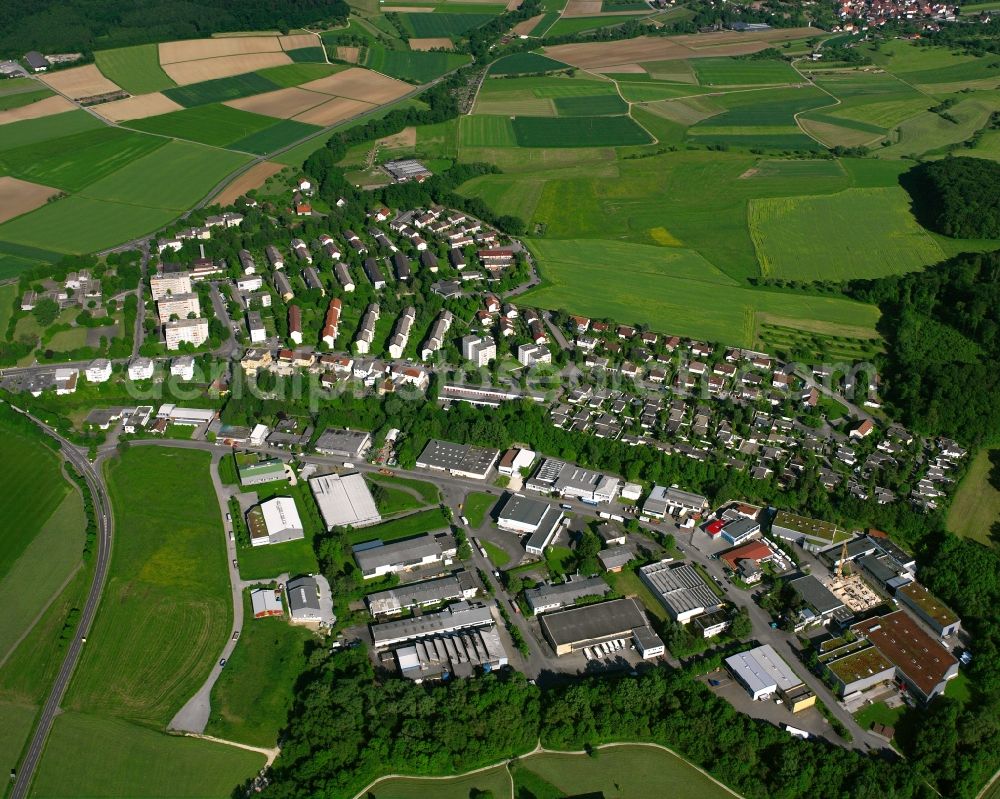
[[105, 530]]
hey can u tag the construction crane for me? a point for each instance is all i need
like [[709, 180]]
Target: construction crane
[[842, 561]]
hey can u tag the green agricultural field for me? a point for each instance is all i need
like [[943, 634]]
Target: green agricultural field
[[475, 508], [442, 24], [871, 233], [217, 125], [75, 161], [8, 298], [30, 464], [673, 290], [222, 89], [526, 64], [976, 506], [578, 132], [414, 66], [91, 756], [664, 130], [307, 55], [37, 576], [166, 609], [599, 105], [495, 781], [929, 132], [567, 26], [32, 131], [84, 225], [651, 91], [743, 72], [282, 134], [136, 69], [251, 700], [14, 732], [289, 75], [21, 99], [546, 22], [180, 172], [627, 771], [486, 131]]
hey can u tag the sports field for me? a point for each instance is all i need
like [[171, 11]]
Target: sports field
[[975, 510], [166, 609], [87, 755], [874, 231], [136, 69], [251, 700]]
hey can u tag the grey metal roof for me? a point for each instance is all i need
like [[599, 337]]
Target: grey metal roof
[[679, 587], [593, 622], [816, 595], [303, 594], [565, 593]]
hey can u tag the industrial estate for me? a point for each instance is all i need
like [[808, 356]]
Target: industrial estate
[[483, 400]]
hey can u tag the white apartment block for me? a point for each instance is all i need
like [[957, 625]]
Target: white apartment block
[[191, 331]]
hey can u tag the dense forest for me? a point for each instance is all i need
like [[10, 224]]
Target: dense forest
[[959, 197], [55, 26], [942, 328]]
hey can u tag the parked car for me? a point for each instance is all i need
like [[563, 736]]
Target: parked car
[[222, 663]]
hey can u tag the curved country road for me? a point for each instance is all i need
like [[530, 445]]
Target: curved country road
[[105, 528]]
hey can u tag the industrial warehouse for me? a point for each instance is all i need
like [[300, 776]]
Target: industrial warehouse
[[592, 625]]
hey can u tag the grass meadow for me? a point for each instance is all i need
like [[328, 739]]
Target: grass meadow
[[565, 26], [525, 64], [495, 780], [166, 609], [741, 72], [673, 290], [976, 506], [88, 755], [251, 700], [875, 232], [136, 69], [476, 506]]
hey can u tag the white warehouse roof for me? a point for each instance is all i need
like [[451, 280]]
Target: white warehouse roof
[[344, 500]]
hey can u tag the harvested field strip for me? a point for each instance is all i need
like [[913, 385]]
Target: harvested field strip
[[138, 107], [360, 84], [218, 91], [844, 122], [218, 125], [253, 178], [286, 132], [79, 82], [196, 49], [688, 111], [46, 107], [578, 132], [75, 161], [334, 111], [136, 69], [31, 131], [187, 72], [833, 135], [297, 41], [439, 43], [283, 103]]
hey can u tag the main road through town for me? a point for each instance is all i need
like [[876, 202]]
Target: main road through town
[[105, 528]]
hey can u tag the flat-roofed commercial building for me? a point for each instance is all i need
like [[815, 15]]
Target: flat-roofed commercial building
[[461, 460], [568, 480], [254, 469], [810, 533], [274, 522], [663, 500], [929, 609], [589, 625], [458, 655], [376, 559], [553, 597], [680, 589], [266, 602], [857, 666], [418, 595], [821, 603], [344, 443], [344, 500], [764, 673], [920, 659], [459, 616], [535, 518]]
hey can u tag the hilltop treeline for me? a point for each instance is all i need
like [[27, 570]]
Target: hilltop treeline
[[959, 197], [942, 328], [55, 26]]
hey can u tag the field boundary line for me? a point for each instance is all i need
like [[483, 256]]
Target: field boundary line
[[34, 621], [541, 750], [836, 101]]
